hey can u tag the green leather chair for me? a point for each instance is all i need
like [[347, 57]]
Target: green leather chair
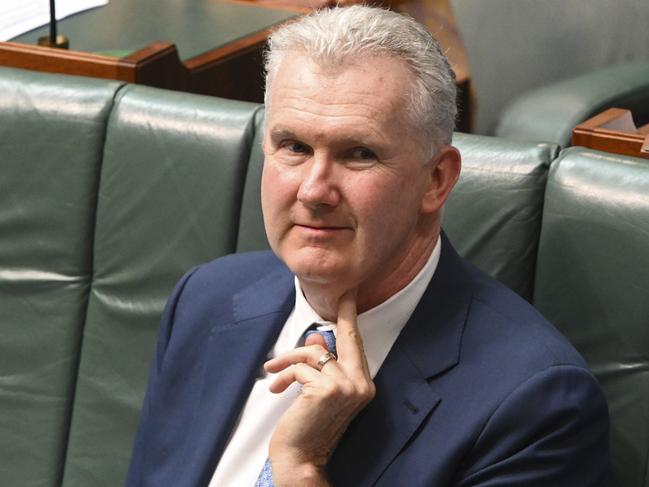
[[515, 47], [171, 184], [551, 112], [110, 192], [51, 141], [592, 282]]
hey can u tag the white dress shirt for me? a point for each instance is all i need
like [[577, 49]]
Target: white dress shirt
[[247, 449]]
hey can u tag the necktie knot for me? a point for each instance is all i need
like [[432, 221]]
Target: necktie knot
[[326, 331]]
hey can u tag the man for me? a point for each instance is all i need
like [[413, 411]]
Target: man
[[444, 378]]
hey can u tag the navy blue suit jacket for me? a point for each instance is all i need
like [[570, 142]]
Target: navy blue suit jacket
[[478, 390]]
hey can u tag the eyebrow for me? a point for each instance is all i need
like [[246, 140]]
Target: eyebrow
[[282, 133]]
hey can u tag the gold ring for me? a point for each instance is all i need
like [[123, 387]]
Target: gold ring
[[324, 359]]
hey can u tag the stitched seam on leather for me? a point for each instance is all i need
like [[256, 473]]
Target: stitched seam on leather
[[91, 259]]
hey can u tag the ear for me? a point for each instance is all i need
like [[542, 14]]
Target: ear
[[444, 171]]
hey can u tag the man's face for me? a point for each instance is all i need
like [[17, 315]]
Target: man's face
[[344, 176]]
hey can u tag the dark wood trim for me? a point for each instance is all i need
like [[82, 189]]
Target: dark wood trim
[[159, 65], [241, 47]]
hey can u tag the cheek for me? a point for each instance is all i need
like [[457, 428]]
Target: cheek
[[373, 205], [278, 194], [274, 188], [379, 195], [388, 210], [270, 204]]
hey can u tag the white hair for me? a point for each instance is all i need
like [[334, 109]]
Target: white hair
[[338, 35]]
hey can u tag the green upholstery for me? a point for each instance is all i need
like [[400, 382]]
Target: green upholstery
[[110, 193], [593, 282], [50, 155], [171, 185], [551, 112], [251, 226], [493, 215], [514, 46]]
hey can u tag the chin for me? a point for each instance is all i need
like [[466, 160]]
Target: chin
[[317, 271], [316, 274]]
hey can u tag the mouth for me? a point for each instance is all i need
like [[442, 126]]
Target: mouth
[[317, 230], [320, 227]]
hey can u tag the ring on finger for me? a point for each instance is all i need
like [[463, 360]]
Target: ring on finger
[[324, 359]]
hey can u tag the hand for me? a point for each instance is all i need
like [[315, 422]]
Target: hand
[[312, 426]]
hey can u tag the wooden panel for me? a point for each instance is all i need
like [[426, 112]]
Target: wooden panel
[[613, 131], [233, 71], [222, 43], [156, 65], [63, 61]]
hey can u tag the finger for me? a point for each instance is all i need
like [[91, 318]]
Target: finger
[[301, 373], [316, 339], [309, 355], [348, 339]]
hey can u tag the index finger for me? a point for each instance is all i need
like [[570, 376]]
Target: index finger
[[349, 343]]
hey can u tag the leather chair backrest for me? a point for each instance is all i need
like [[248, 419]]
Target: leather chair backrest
[[516, 45], [592, 282], [551, 112], [252, 235], [493, 216], [169, 198], [51, 140]]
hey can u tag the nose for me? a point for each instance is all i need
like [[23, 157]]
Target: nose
[[318, 187]]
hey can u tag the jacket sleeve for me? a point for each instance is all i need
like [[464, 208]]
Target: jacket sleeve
[[552, 430]]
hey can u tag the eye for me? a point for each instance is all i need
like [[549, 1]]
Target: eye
[[296, 147], [292, 152], [361, 158], [363, 154]]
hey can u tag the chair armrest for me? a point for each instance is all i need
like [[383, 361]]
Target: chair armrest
[[551, 112]]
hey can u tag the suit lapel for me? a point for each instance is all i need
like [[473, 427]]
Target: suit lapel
[[236, 352], [428, 346]]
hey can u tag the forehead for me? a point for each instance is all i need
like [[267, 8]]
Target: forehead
[[366, 95]]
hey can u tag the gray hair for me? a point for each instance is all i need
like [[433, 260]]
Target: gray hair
[[347, 34]]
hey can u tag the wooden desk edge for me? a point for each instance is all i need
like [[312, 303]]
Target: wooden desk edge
[[64, 61], [591, 134]]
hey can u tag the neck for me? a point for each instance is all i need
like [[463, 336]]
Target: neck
[[376, 289]]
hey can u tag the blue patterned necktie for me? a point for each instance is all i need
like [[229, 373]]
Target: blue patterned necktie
[[265, 478]]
